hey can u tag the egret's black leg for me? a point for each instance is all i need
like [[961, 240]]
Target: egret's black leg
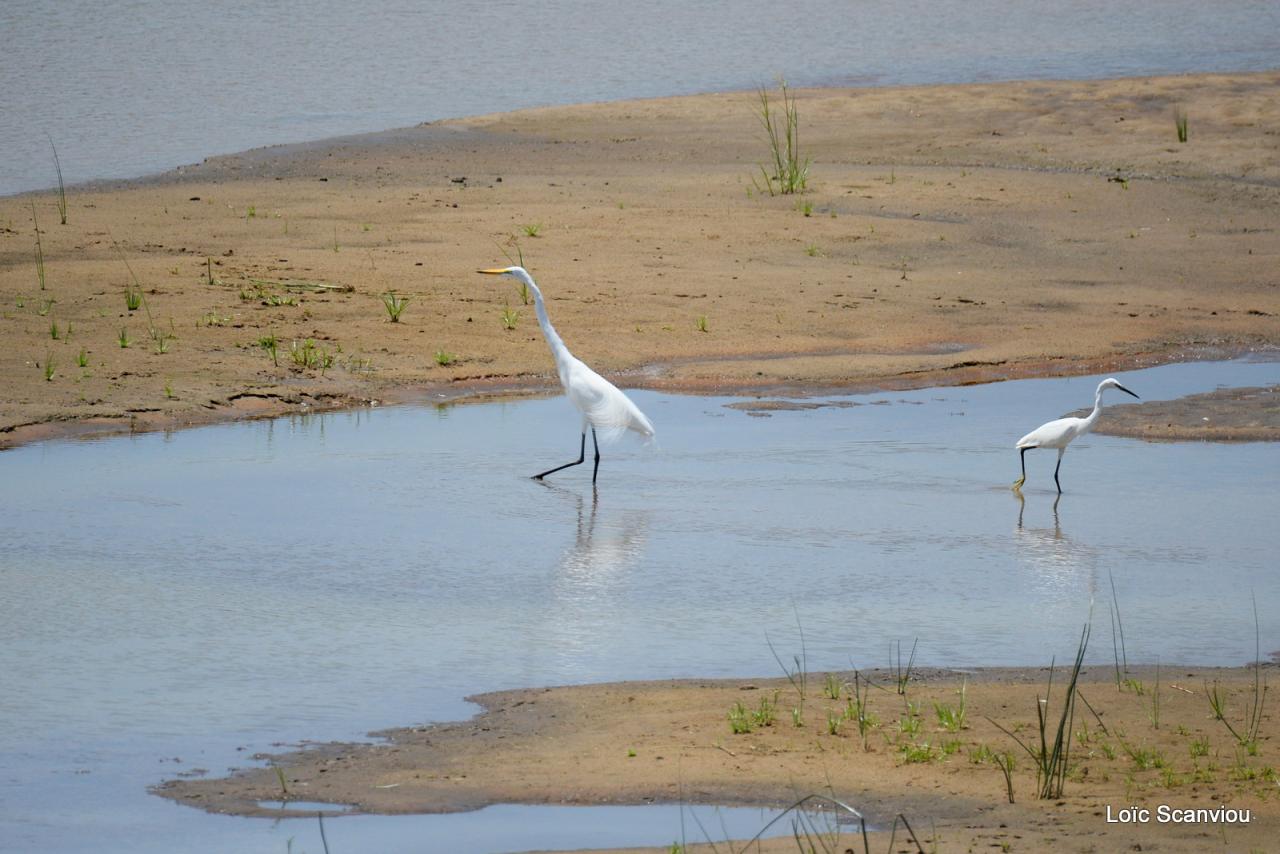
[[1055, 473], [1022, 455], [582, 455], [596, 445]]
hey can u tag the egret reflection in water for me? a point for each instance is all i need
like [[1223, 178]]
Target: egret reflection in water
[[1058, 561], [592, 579]]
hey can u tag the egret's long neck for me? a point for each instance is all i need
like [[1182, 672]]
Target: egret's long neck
[[558, 350], [1097, 410]]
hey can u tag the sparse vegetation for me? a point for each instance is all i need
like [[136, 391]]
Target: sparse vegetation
[[510, 317], [444, 358], [39, 248], [1180, 122]]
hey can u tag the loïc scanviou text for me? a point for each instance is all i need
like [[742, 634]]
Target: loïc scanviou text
[[1166, 814]]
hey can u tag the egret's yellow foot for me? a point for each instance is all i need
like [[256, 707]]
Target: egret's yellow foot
[[1017, 484]]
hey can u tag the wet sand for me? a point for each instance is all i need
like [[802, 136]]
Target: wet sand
[[949, 235], [672, 742]]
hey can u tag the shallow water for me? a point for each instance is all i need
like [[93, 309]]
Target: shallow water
[[127, 88], [178, 602]]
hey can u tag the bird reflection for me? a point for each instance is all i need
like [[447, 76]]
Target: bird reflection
[[603, 549], [1052, 555], [591, 586]]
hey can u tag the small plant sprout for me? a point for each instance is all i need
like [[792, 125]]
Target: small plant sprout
[[394, 305], [123, 338], [805, 207], [510, 317], [812, 250], [335, 238], [53, 329], [700, 323], [900, 676], [208, 271], [168, 389], [132, 298], [82, 358], [532, 229], [831, 687], [739, 719], [39, 248], [766, 714], [1180, 121], [48, 367], [444, 358], [789, 172], [834, 719], [952, 717], [271, 344], [62, 190], [1199, 747], [856, 707], [284, 789]]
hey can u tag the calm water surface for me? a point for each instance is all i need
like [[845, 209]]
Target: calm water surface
[[128, 87], [177, 602]]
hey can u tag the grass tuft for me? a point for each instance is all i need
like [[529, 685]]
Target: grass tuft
[[39, 248], [1053, 753], [394, 305], [790, 171], [1180, 121], [62, 190]]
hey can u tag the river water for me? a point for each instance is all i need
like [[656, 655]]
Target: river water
[[128, 87], [179, 602]]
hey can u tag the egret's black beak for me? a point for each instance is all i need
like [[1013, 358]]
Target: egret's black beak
[[1126, 391]]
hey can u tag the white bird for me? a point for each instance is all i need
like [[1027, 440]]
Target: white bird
[[1058, 434], [602, 405]]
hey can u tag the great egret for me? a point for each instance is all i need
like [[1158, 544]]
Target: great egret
[[602, 405], [1058, 434]]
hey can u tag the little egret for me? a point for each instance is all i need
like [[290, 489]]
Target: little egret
[[602, 405], [1058, 434]]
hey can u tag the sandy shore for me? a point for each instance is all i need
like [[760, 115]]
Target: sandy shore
[[950, 234], [1153, 742]]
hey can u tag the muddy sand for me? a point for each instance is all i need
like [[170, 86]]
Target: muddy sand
[[948, 234], [1150, 742]]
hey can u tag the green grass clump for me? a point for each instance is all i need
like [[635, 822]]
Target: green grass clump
[[700, 323], [532, 229], [82, 358], [951, 718], [739, 719], [510, 317], [394, 305], [790, 171], [48, 367], [132, 298], [123, 338], [1180, 122], [271, 344], [444, 358]]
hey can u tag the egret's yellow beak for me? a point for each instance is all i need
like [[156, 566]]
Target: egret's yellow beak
[[497, 271]]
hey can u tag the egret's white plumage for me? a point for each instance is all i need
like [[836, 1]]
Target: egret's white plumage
[[1061, 432], [604, 408]]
